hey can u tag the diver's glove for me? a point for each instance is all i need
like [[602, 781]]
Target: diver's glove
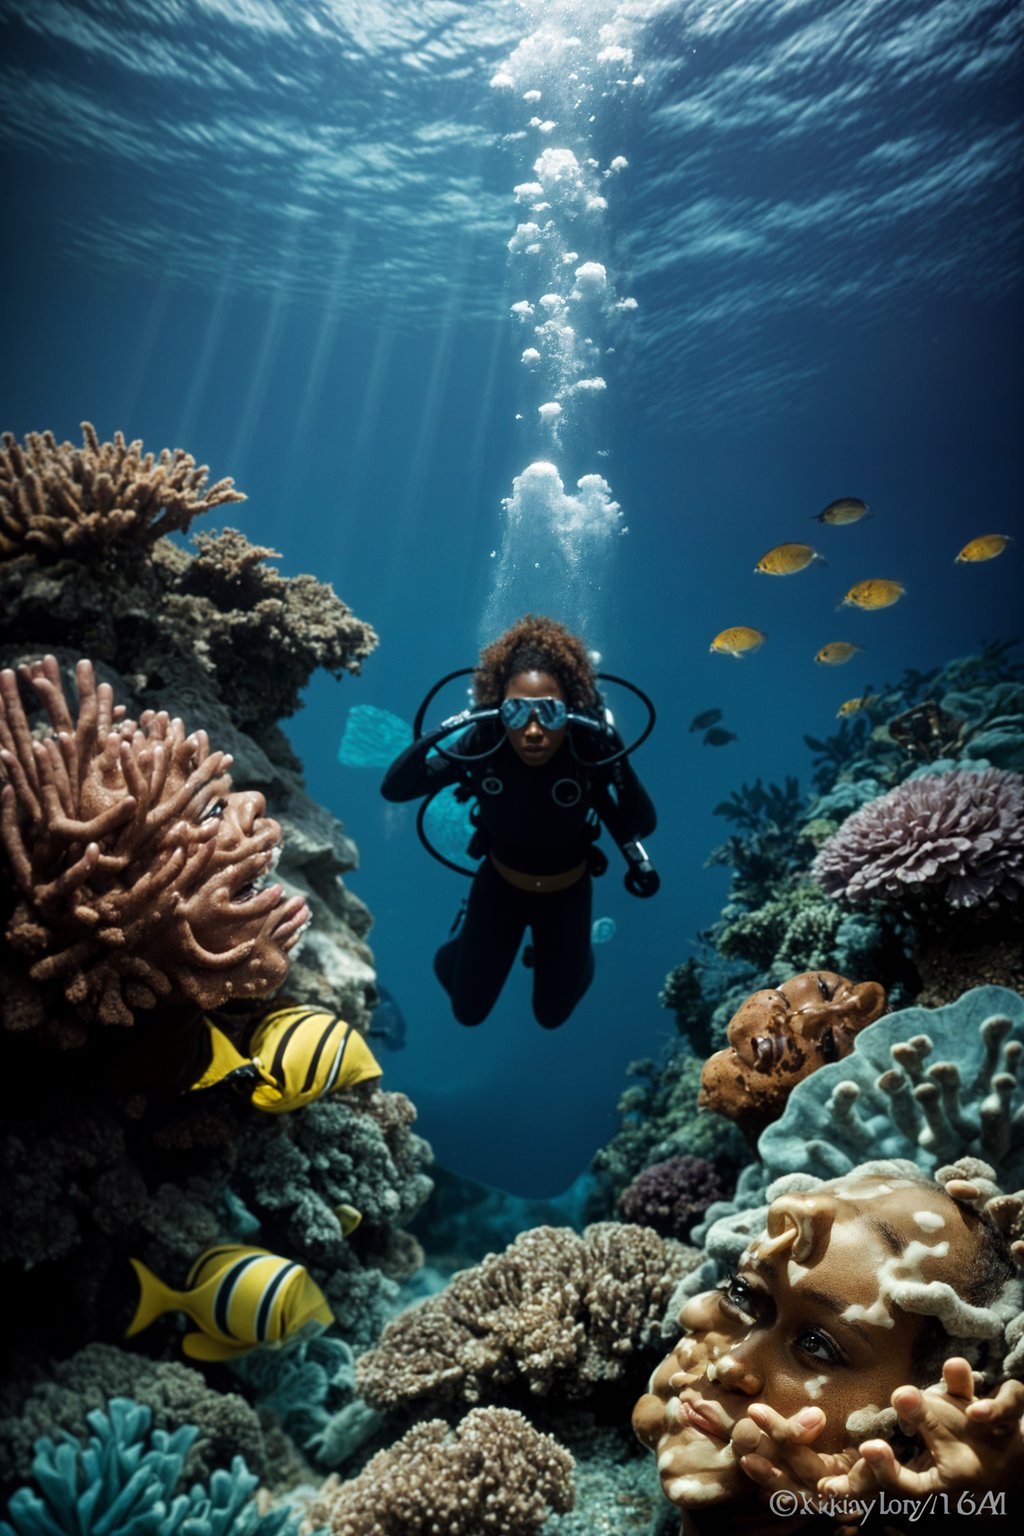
[[641, 878]]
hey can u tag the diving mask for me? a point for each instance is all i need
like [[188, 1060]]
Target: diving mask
[[551, 714]]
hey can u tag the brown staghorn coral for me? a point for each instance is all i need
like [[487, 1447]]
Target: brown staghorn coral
[[58, 501], [135, 868], [554, 1312], [493, 1475]]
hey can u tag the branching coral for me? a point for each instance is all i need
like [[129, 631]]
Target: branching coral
[[952, 838], [261, 633], [125, 1480], [554, 1313], [493, 1475], [102, 499], [673, 1195], [135, 886]]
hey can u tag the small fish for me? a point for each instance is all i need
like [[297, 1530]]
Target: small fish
[[738, 640], [295, 1055], [719, 737], [876, 592], [852, 705], [848, 509], [238, 1297], [705, 718], [787, 559], [985, 548], [349, 1218], [836, 652]]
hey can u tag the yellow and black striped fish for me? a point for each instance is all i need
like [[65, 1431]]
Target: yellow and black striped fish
[[240, 1298], [295, 1055]]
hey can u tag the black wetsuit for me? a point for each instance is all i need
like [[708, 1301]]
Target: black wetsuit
[[537, 820]]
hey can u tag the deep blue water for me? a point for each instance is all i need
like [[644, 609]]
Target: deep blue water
[[277, 235]]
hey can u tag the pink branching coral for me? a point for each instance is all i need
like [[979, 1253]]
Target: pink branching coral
[[493, 1475], [952, 838], [58, 501], [135, 867], [555, 1312]]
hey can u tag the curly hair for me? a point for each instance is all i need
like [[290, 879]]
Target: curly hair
[[536, 644]]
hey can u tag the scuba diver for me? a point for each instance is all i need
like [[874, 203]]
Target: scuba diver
[[545, 767]]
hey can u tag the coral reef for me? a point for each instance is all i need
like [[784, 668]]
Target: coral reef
[[126, 1480], [554, 1314], [137, 869], [778, 1037], [361, 1153], [492, 1475], [661, 1120], [60, 1403], [953, 839], [99, 501], [768, 842], [261, 634], [673, 1195], [925, 1085]]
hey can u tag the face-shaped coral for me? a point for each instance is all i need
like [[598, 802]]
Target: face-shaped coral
[[140, 875], [781, 1035], [948, 838], [830, 1304]]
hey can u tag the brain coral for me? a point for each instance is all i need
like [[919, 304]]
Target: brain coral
[[956, 838], [554, 1312], [493, 1475]]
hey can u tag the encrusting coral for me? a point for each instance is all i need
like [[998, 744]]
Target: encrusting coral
[[951, 838], [492, 1475], [556, 1313], [60, 501]]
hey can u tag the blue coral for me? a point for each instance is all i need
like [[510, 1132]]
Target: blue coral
[[122, 1484]]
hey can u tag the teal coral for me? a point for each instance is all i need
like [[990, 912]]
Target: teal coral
[[225, 1424], [123, 1484]]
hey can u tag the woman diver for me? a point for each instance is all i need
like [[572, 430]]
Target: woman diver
[[545, 769]]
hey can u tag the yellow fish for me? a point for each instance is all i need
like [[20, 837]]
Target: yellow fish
[[349, 1218], [852, 705], [848, 509], [876, 592], [238, 1297], [787, 559], [985, 548], [295, 1055], [836, 652], [738, 640]]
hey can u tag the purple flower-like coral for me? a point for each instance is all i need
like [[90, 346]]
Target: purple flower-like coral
[[955, 837]]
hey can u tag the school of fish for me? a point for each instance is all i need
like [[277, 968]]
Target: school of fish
[[870, 595]]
